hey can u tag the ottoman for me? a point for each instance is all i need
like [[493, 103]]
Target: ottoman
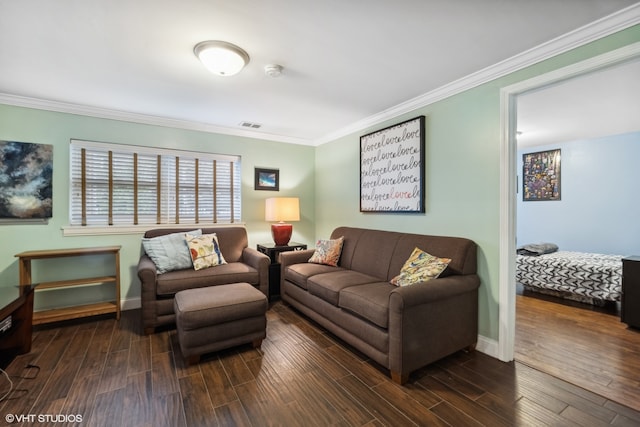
[[218, 317]]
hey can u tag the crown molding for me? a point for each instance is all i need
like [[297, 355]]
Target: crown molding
[[579, 37], [608, 25], [125, 116]]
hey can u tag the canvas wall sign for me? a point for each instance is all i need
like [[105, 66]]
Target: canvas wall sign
[[26, 180], [392, 168]]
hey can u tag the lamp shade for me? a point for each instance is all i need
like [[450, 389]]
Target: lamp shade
[[221, 58], [282, 209]]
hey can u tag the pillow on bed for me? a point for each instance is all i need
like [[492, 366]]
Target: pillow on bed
[[420, 267], [535, 249]]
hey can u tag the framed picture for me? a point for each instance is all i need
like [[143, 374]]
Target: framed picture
[[267, 179], [541, 175], [26, 180], [392, 168]]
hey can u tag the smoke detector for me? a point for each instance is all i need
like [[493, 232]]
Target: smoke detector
[[273, 70]]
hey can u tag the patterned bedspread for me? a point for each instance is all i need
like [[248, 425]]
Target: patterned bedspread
[[587, 277]]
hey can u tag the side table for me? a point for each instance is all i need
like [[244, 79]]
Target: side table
[[16, 312], [273, 252]]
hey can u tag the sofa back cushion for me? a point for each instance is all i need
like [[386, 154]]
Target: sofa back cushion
[[383, 253], [351, 236], [232, 240], [461, 251], [369, 252]]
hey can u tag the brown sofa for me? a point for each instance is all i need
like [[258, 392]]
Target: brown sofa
[[244, 264], [401, 328]]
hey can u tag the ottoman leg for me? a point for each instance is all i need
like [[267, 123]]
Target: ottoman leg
[[257, 343]]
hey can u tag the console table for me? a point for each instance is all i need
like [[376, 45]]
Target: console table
[[74, 312]]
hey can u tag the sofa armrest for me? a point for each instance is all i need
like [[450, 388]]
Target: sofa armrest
[[260, 262], [295, 257], [434, 290], [428, 321]]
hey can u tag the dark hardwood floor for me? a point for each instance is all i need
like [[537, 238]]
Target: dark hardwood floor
[[585, 345], [110, 374]]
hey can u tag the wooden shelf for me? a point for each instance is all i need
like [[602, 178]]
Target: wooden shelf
[[74, 312], [76, 282], [59, 253]]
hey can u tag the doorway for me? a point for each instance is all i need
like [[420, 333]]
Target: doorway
[[592, 119], [508, 174]]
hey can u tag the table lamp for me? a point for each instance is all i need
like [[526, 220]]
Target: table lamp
[[282, 209]]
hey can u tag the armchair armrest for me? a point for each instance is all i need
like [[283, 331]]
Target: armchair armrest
[[147, 272], [260, 262]]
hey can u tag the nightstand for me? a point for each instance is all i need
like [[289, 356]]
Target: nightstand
[[273, 252], [630, 305]]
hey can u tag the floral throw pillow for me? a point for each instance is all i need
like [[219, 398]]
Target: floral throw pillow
[[420, 267], [327, 252], [205, 251]]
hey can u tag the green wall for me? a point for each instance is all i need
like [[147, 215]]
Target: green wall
[[462, 172], [295, 162]]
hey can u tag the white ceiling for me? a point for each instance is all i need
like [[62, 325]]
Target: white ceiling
[[344, 61], [602, 103]]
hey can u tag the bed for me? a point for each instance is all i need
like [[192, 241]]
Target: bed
[[585, 277]]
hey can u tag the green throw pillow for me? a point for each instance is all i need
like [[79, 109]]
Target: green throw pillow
[[169, 252]]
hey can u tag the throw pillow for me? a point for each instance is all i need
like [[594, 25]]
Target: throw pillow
[[327, 252], [420, 267], [205, 251], [169, 252]]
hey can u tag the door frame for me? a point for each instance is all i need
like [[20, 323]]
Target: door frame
[[508, 177]]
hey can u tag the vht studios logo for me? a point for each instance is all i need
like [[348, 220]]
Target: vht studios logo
[[43, 418]]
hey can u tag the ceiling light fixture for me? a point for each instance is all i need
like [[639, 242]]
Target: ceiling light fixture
[[221, 58]]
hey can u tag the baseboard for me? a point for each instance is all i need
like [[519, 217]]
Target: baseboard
[[487, 346], [130, 303]]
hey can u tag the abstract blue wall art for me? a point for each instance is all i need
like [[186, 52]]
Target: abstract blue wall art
[[26, 180]]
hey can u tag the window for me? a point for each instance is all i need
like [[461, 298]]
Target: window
[[123, 185]]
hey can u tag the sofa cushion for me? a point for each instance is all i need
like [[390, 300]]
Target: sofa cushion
[[369, 301], [298, 274], [328, 285], [327, 252], [420, 267], [174, 281], [170, 251], [205, 251]]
